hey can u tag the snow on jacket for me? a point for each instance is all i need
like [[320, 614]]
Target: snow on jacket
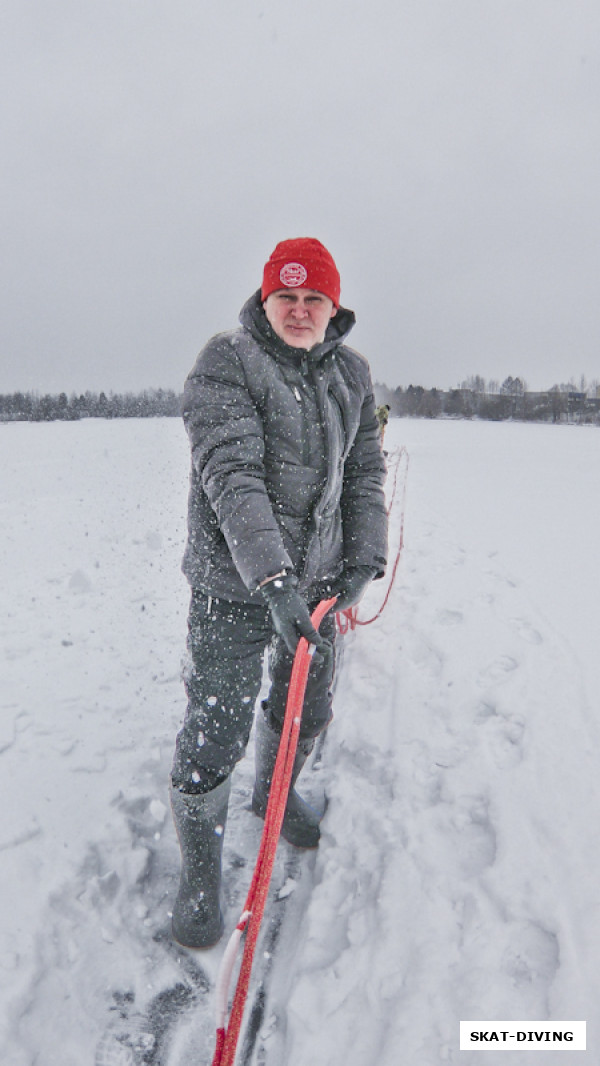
[[287, 470]]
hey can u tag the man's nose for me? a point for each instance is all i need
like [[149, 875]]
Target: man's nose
[[299, 310]]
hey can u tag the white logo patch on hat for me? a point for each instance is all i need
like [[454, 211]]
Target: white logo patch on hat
[[292, 275]]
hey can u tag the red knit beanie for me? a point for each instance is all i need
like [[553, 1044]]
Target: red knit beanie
[[303, 263]]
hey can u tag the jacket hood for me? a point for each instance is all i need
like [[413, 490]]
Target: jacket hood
[[254, 319]]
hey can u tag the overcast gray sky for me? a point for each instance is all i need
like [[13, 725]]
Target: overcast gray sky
[[154, 151]]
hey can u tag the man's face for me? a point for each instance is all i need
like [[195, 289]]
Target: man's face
[[299, 316]]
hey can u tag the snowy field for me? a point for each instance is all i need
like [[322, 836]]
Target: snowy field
[[458, 876]]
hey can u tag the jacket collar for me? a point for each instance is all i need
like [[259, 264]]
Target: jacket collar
[[254, 319]]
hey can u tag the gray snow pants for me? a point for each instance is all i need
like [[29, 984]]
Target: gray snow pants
[[226, 644]]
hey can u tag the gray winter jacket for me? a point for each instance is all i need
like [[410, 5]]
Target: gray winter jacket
[[287, 471]]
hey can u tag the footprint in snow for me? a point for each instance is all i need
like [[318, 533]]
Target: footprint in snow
[[79, 582], [500, 669], [531, 959], [449, 618], [504, 734], [527, 631], [135, 1039], [475, 837]]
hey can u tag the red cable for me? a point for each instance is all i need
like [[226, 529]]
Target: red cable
[[349, 620], [227, 1038]]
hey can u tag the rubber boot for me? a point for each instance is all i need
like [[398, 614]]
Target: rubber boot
[[301, 821], [200, 824]]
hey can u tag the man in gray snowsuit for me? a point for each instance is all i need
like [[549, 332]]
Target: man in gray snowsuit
[[286, 507]]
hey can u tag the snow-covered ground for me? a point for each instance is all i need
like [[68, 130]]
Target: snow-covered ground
[[459, 871]]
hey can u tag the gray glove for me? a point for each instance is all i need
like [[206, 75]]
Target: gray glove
[[289, 610], [352, 584]]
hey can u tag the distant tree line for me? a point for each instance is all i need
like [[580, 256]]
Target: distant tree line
[[32, 407], [476, 398], [473, 398]]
